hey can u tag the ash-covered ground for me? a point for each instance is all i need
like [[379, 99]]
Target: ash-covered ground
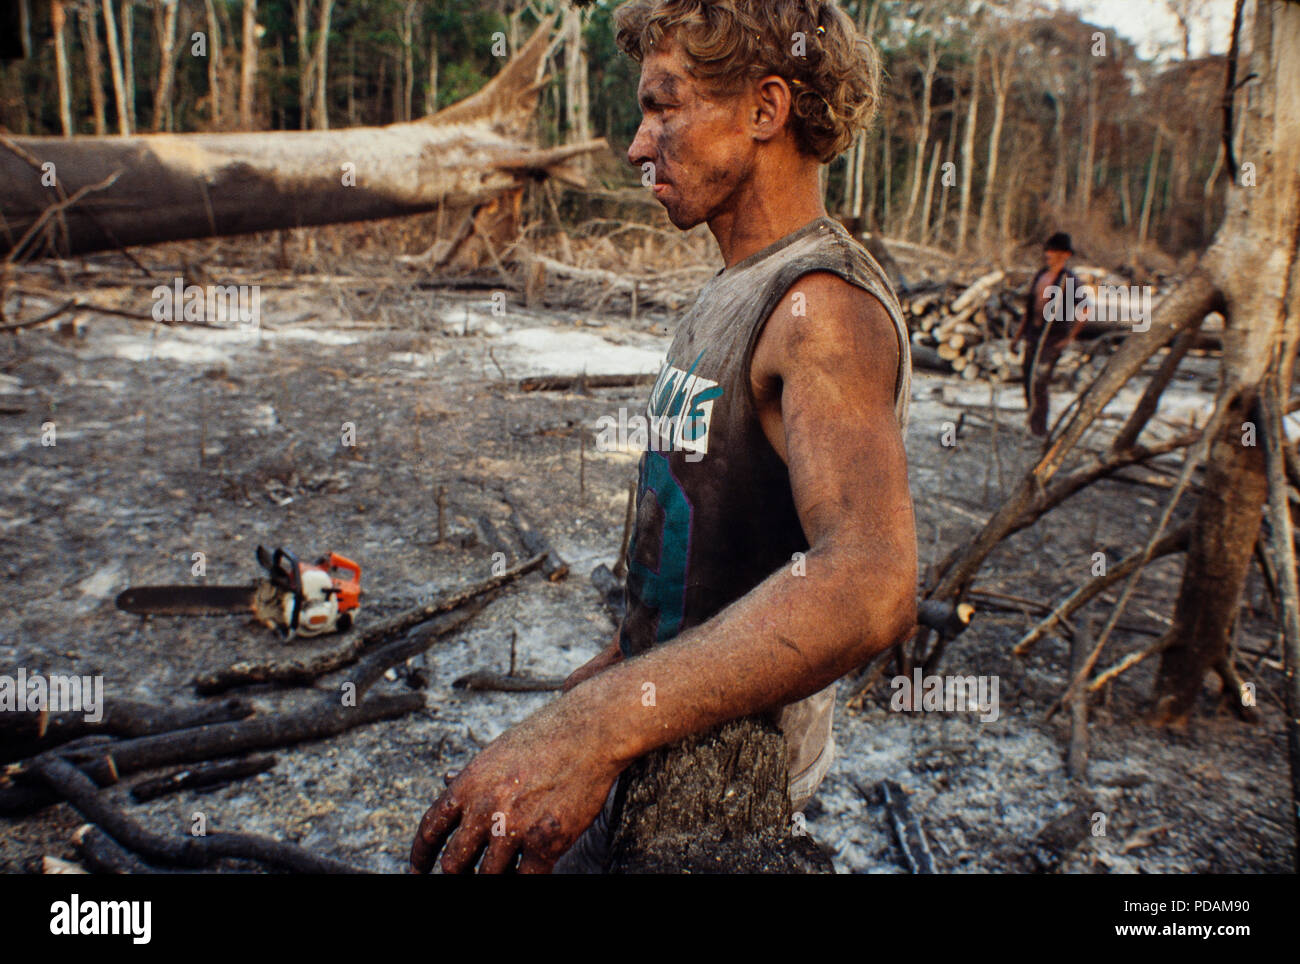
[[170, 441]]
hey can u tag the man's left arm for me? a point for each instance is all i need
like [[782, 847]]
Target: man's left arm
[[542, 782]]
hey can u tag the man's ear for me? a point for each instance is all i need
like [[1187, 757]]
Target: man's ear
[[771, 107]]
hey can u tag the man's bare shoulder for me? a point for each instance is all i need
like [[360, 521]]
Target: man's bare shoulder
[[824, 320]]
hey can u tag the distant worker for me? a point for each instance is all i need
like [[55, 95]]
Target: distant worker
[[1052, 320]]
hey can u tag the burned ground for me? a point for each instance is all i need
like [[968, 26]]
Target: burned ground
[[176, 440]]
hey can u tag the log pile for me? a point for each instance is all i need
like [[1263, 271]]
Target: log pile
[[966, 330]]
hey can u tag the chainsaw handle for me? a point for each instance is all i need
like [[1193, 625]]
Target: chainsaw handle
[[293, 571], [337, 562]]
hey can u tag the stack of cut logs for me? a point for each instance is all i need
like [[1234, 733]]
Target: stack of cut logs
[[966, 330]]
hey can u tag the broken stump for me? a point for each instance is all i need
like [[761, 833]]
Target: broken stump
[[715, 803]]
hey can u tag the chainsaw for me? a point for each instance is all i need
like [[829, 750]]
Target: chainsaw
[[297, 598]]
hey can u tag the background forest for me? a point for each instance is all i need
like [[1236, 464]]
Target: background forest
[[1000, 121]]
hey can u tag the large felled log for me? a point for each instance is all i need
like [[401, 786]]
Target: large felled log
[[715, 803], [176, 186]]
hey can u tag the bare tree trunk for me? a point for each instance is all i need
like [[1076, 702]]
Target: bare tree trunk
[[58, 21], [886, 221], [576, 89], [302, 19], [872, 184], [1010, 193], [165, 16], [1058, 138], [1149, 195], [864, 194], [856, 160], [1282, 539], [431, 95], [922, 139], [1125, 193], [850, 159], [115, 67], [1255, 260], [88, 20], [214, 66], [941, 221], [25, 26], [320, 62], [408, 59], [248, 71], [968, 155], [1224, 532], [1000, 74], [128, 63], [929, 192], [1086, 172]]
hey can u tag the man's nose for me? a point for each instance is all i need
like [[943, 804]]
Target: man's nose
[[639, 151]]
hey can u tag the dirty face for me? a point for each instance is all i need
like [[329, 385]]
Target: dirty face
[[695, 140], [1056, 260]]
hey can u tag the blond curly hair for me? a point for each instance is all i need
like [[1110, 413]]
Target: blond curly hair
[[835, 84]]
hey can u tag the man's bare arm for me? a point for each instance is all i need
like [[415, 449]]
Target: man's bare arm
[[544, 781], [835, 369]]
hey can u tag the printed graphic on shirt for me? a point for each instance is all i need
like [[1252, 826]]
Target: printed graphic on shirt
[[657, 570], [680, 410]]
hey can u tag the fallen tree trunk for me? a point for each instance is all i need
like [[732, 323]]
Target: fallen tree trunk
[[176, 186]]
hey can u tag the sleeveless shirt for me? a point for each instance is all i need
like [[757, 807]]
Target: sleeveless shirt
[[715, 514]]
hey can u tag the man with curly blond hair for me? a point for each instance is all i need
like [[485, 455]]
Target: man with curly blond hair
[[774, 548]]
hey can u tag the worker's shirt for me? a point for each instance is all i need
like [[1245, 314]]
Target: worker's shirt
[[1058, 329], [715, 511]]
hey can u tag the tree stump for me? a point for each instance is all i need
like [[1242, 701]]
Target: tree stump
[[715, 803]]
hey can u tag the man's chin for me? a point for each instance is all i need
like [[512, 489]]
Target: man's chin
[[682, 220]]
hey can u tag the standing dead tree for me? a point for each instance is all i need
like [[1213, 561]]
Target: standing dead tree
[[1251, 273]]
